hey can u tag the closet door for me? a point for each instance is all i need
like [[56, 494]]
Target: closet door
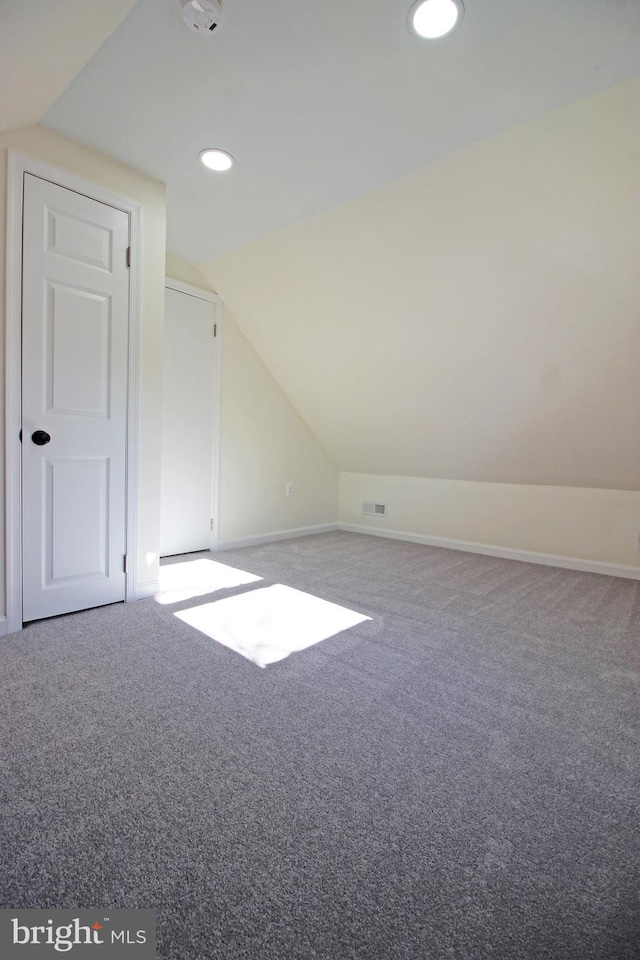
[[75, 327], [188, 423]]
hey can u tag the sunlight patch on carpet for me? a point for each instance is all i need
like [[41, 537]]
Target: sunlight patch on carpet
[[194, 578], [268, 624]]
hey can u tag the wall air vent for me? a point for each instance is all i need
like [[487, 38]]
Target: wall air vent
[[371, 509]]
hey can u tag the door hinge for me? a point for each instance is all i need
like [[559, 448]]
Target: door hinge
[[215, 330], [124, 563], [211, 524], [128, 256]]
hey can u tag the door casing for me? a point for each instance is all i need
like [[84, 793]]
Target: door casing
[[18, 166]]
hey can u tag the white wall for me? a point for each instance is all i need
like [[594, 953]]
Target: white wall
[[264, 445], [70, 156], [568, 522]]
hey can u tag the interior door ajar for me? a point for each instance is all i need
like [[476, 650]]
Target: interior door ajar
[[75, 316]]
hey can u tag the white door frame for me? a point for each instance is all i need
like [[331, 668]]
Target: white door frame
[[213, 298], [18, 165]]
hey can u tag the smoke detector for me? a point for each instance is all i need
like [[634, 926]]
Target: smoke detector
[[202, 16]]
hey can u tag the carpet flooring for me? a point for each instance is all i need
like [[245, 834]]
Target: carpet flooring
[[456, 777]]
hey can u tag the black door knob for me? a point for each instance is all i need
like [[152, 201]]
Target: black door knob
[[40, 437]]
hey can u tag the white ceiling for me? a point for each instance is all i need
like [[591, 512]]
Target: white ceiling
[[321, 101]]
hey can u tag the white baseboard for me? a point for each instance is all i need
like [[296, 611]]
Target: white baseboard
[[277, 535], [3, 626], [147, 589], [507, 553]]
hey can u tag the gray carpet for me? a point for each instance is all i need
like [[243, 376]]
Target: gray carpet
[[457, 778]]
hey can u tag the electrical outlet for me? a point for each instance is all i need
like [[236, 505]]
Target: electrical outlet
[[288, 489]]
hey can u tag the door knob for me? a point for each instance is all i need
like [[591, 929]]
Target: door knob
[[40, 437]]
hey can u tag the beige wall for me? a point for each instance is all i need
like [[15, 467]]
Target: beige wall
[[43, 46], [67, 155], [570, 522], [264, 445], [476, 320], [185, 272]]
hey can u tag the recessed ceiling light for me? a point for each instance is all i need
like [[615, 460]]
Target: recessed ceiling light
[[217, 160], [435, 18]]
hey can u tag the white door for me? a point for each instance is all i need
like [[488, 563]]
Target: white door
[[188, 399], [75, 294]]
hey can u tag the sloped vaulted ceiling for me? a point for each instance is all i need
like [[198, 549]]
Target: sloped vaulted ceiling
[[476, 320], [321, 101]]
